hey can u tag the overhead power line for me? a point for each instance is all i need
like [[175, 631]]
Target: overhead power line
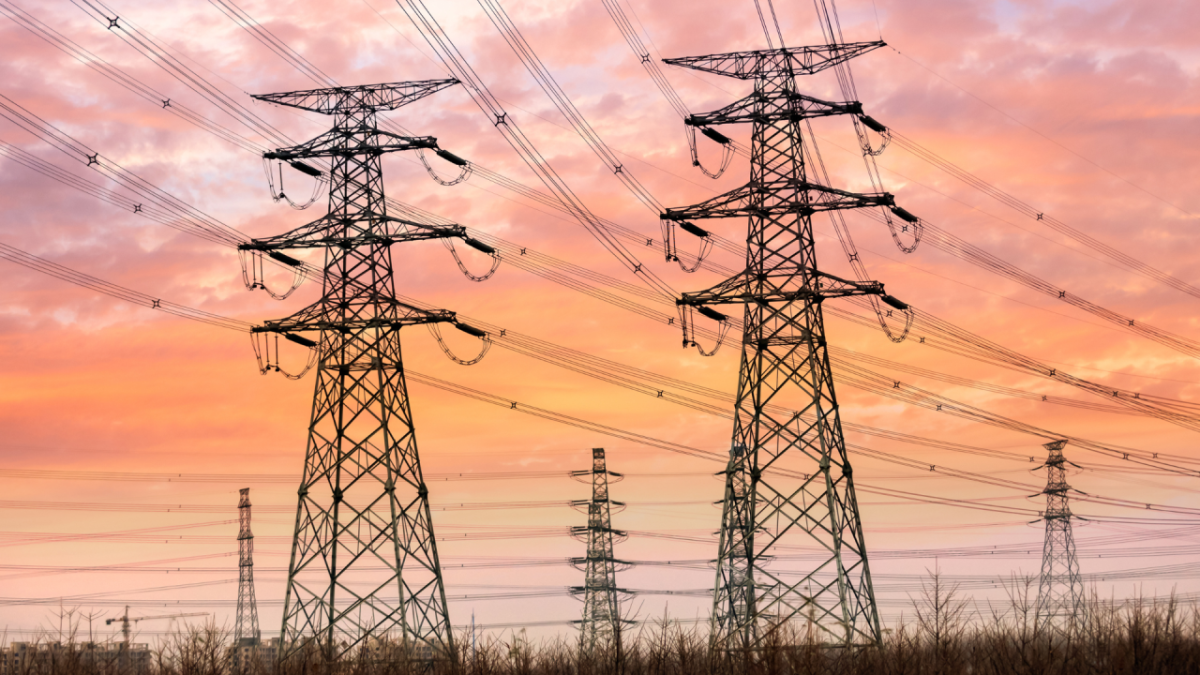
[[1039, 133], [92, 283], [541, 265], [1124, 259], [492, 109], [431, 381]]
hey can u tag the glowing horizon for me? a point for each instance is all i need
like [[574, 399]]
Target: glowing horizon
[[1087, 112]]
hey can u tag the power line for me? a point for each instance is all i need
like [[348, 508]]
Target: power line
[[512, 250], [499, 117], [1073, 152]]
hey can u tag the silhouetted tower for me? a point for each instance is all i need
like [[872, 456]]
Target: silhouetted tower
[[245, 628], [600, 627], [1060, 589], [364, 560], [789, 481]]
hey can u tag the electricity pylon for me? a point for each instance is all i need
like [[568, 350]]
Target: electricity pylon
[[1060, 589], [789, 482], [245, 628], [364, 562], [600, 627]]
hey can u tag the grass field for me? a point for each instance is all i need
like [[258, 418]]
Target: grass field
[[1119, 638]]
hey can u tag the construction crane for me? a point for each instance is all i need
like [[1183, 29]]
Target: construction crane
[[126, 620]]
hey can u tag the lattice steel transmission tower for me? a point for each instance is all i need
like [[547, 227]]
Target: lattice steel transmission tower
[[245, 627], [1060, 589], [789, 481], [601, 625], [364, 562]]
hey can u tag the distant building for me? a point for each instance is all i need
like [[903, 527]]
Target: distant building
[[249, 651], [25, 657]]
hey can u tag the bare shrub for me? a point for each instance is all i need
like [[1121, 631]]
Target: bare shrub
[[1136, 637]]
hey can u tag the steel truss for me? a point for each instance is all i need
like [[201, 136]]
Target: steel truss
[[600, 628], [1060, 589], [789, 482], [245, 627], [364, 570]]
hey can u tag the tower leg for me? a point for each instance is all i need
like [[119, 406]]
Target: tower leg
[[789, 489], [363, 505]]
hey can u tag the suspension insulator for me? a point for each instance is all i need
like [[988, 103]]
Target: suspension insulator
[[284, 258], [306, 168], [894, 302], [300, 340], [478, 245], [903, 214], [712, 314], [872, 124], [470, 330], [692, 229], [451, 157], [716, 135]]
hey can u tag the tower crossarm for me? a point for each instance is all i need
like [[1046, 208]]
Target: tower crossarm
[[766, 107], [599, 586], [753, 287], [578, 530], [767, 62], [244, 531], [352, 141], [376, 97], [752, 200], [592, 558], [371, 230], [308, 320]]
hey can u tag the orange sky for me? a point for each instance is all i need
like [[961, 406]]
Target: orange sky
[[1086, 110]]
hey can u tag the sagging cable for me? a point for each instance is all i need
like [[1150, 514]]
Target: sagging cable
[[883, 314], [871, 123], [270, 363], [910, 221], [465, 168], [706, 245], [727, 150], [253, 275], [479, 246], [306, 169], [469, 330], [687, 320]]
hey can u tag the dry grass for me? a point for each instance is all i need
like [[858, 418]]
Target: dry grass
[[1129, 638]]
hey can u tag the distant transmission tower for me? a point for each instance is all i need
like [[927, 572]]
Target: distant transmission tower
[[1060, 589], [600, 627], [364, 563], [789, 481], [245, 629]]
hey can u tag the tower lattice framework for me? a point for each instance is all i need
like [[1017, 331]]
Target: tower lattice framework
[[245, 627], [600, 627], [364, 563], [789, 482], [1060, 589]]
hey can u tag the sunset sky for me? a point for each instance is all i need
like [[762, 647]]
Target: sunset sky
[[1087, 111]]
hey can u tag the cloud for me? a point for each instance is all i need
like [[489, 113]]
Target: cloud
[[1088, 112]]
